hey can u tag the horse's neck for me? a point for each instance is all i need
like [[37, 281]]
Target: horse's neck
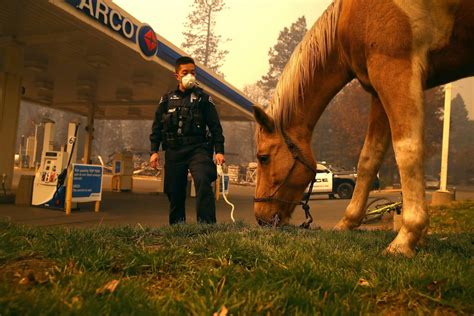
[[327, 82]]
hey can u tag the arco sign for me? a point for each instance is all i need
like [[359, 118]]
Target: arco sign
[[142, 35]]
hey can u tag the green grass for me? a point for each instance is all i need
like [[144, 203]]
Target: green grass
[[457, 218], [199, 269]]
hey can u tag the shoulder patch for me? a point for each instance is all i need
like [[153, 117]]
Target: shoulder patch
[[193, 97], [164, 98]]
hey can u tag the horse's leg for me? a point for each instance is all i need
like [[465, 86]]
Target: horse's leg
[[402, 97], [371, 157]]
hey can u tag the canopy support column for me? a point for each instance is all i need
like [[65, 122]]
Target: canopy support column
[[89, 134], [11, 68]]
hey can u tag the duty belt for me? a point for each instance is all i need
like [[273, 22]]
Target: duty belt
[[184, 140]]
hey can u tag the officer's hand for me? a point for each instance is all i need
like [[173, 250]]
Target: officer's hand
[[220, 159], [155, 160]]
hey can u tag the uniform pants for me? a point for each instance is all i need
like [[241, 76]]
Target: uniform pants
[[197, 160]]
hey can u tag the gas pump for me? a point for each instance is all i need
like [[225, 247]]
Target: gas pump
[[48, 187], [122, 179]]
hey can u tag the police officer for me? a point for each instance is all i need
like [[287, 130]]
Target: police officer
[[182, 121]]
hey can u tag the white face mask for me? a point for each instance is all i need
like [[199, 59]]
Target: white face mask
[[188, 81]]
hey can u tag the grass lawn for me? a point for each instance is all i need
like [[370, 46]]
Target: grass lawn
[[235, 269]]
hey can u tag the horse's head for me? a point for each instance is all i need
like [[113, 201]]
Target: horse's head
[[284, 170]]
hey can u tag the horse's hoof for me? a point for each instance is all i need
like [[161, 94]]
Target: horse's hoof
[[340, 226], [343, 225], [399, 250]]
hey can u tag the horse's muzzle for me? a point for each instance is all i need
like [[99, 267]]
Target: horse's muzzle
[[272, 222]]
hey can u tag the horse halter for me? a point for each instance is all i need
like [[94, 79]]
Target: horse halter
[[297, 157]]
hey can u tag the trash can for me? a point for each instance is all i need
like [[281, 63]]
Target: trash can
[[24, 192]]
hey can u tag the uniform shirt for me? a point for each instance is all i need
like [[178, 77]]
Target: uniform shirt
[[209, 114]]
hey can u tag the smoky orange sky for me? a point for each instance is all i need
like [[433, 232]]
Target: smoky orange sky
[[252, 26]]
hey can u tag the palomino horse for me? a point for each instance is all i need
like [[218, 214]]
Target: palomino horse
[[396, 49]]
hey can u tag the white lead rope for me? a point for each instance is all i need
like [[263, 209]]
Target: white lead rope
[[220, 172]]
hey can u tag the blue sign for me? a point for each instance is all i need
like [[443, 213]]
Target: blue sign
[[226, 184], [86, 183], [100, 11], [144, 36], [118, 167]]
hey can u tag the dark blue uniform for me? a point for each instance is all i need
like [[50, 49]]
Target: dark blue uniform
[[183, 122]]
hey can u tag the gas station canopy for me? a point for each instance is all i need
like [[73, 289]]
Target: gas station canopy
[[91, 56]]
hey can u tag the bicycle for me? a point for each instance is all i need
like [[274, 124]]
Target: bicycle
[[377, 208]]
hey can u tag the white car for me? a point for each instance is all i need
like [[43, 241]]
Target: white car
[[332, 181]]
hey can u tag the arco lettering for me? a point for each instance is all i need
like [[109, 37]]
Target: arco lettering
[[100, 11]]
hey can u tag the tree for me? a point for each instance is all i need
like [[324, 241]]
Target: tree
[[434, 102], [339, 134], [280, 53], [201, 41], [257, 94], [461, 145], [239, 142], [461, 126]]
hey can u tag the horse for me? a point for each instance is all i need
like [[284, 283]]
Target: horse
[[396, 49]]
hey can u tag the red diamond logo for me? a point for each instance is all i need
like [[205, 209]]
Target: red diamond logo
[[150, 40]]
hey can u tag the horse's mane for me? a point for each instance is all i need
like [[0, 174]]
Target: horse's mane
[[310, 53]]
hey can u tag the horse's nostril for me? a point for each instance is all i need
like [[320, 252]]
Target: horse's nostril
[[262, 222], [273, 222]]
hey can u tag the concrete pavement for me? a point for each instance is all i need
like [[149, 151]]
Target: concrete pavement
[[127, 208], [149, 208]]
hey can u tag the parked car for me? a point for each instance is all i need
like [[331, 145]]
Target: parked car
[[333, 181]]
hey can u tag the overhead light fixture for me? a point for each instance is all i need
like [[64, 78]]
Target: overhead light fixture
[[85, 83], [142, 79], [132, 111], [45, 97], [36, 64], [46, 101], [85, 95], [124, 94], [97, 61], [44, 85]]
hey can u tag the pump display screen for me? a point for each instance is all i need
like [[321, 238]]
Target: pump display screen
[[51, 167]]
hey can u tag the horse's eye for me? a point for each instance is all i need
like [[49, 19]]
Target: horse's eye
[[264, 159]]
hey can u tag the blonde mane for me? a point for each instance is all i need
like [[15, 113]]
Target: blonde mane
[[310, 54]]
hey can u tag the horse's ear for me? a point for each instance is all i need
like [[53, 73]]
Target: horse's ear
[[263, 119]]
